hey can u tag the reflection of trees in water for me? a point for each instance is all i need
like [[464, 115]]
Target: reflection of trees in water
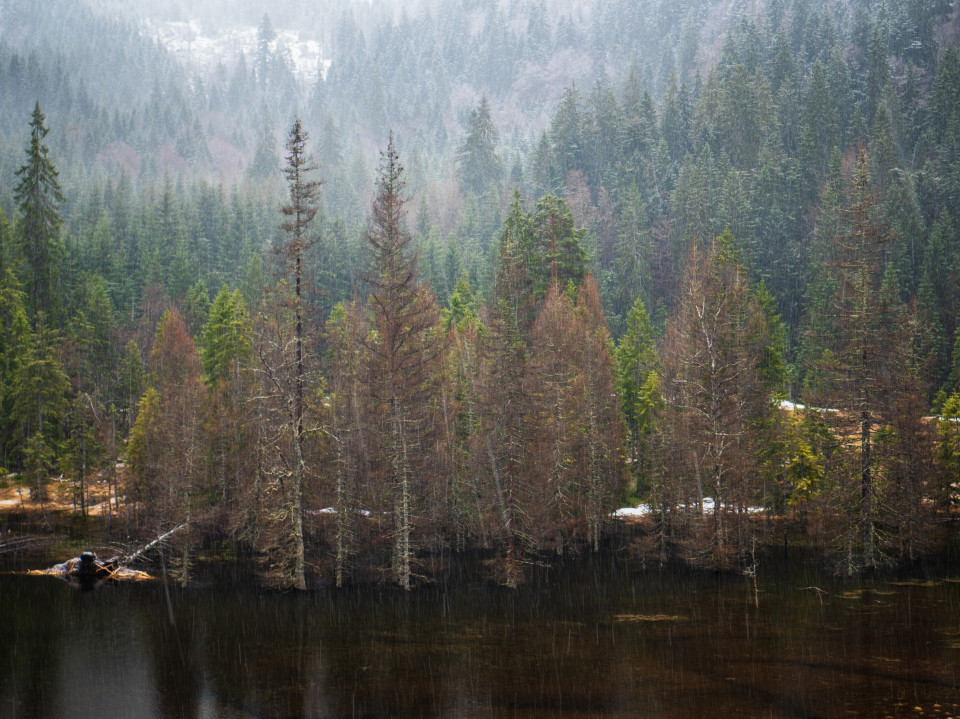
[[567, 644]]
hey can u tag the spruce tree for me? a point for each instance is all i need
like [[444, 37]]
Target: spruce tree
[[404, 349], [554, 252], [872, 367], [301, 211], [266, 161], [39, 197], [479, 165], [225, 343], [638, 387]]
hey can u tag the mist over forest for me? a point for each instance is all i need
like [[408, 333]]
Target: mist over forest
[[489, 269]]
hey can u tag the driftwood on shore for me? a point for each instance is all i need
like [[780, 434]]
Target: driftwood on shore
[[87, 570]]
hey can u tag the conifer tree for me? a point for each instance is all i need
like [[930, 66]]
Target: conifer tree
[[600, 434], [225, 356], [404, 347], [551, 490], [638, 388], [39, 394], [463, 441], [938, 292], [479, 165], [566, 134], [225, 342], [716, 392], [350, 428], [39, 197], [553, 250], [873, 367], [166, 443], [266, 161], [288, 377], [504, 399], [948, 451]]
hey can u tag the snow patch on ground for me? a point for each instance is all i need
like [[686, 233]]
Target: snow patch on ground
[[333, 510], [645, 510], [641, 510], [794, 406]]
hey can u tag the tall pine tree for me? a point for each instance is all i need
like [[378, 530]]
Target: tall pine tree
[[39, 197]]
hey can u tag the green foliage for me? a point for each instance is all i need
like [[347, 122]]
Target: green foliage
[[39, 198], [14, 335], [196, 307], [948, 451], [737, 108], [566, 134], [266, 160], [38, 460], [254, 281], [672, 144], [462, 307], [82, 452], [773, 364], [226, 341], [792, 459], [40, 387], [638, 389], [130, 376], [478, 163], [140, 450], [553, 248], [939, 294]]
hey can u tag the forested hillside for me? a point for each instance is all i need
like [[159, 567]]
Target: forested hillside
[[484, 273]]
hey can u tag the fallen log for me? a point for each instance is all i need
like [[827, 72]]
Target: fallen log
[[131, 558], [87, 571]]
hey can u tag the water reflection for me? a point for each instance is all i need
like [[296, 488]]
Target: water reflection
[[579, 641]]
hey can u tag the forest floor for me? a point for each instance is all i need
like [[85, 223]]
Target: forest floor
[[34, 534], [62, 495]]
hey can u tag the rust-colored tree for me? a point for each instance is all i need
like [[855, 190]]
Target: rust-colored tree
[[552, 498], [504, 402], [405, 347], [287, 441], [574, 476], [717, 394], [166, 444], [601, 430], [349, 430]]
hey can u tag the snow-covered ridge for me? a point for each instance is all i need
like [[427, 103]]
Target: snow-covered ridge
[[203, 49]]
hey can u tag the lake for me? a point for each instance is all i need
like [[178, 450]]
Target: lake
[[589, 638]]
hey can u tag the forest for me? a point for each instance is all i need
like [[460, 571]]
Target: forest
[[493, 271]]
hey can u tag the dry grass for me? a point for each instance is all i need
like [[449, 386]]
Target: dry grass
[[61, 495]]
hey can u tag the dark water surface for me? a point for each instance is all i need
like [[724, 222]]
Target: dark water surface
[[583, 640]]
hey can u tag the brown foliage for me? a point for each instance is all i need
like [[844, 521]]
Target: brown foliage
[[716, 399], [166, 445]]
